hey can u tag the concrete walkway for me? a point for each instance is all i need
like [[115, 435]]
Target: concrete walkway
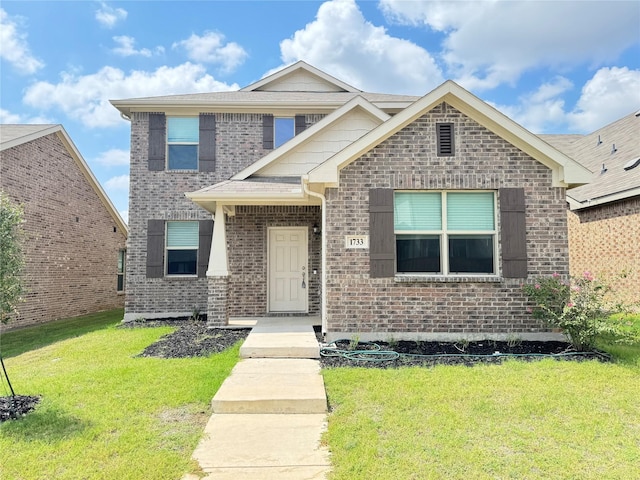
[[269, 414]]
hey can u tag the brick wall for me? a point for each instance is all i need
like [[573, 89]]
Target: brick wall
[[388, 307], [72, 241], [160, 195], [604, 240], [247, 239]]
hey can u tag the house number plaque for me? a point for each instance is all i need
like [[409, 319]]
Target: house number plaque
[[356, 241]]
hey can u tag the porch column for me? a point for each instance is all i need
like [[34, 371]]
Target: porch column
[[218, 274]]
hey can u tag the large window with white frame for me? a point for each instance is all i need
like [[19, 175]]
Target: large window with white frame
[[182, 143], [182, 240], [445, 232]]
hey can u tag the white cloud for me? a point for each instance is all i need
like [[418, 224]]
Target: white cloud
[[210, 48], [114, 158], [125, 215], [611, 94], [342, 42], [108, 16], [493, 42], [126, 47], [86, 98], [608, 96], [119, 183], [8, 117], [14, 47]]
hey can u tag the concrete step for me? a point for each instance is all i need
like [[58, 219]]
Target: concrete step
[[270, 386], [278, 447], [280, 338]]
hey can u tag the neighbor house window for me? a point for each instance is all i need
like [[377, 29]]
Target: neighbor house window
[[182, 143], [445, 232], [283, 130], [122, 258], [182, 248]]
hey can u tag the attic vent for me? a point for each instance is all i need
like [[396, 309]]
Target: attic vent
[[444, 132], [632, 164]]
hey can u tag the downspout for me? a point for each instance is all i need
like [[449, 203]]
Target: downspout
[[323, 261]]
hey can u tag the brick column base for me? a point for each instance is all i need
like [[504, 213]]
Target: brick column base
[[218, 302]]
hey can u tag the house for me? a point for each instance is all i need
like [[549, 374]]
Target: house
[[384, 215], [604, 215], [75, 239]]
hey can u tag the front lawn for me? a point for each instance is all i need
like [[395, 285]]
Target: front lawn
[[105, 413], [540, 420]]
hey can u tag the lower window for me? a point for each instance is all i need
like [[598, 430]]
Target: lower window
[[182, 248], [445, 232]]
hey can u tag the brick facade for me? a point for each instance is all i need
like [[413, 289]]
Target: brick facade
[[72, 241], [604, 240], [428, 308], [160, 195]]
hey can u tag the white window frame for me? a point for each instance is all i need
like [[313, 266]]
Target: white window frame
[[167, 248], [121, 273], [444, 233], [197, 144]]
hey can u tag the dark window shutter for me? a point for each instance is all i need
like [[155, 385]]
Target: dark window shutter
[[157, 141], [301, 124], [267, 132], [513, 235], [204, 246], [207, 144], [444, 132], [381, 234], [155, 248]]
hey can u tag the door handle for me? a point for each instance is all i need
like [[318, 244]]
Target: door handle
[[304, 284]]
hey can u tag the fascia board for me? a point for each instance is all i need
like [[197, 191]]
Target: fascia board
[[309, 133], [93, 181], [577, 205]]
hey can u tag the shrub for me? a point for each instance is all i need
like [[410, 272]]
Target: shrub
[[577, 307]]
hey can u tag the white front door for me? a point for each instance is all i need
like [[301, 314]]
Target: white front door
[[288, 269]]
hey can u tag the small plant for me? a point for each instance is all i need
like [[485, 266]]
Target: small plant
[[354, 342], [513, 341], [195, 315], [462, 345], [393, 343], [577, 307]]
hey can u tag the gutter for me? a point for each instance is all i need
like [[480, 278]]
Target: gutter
[[323, 300]]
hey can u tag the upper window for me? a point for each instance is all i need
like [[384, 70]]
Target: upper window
[[182, 248], [283, 130], [445, 232], [182, 143]]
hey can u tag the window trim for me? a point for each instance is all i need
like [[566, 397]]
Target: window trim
[[168, 143], [444, 234], [121, 272], [167, 248]]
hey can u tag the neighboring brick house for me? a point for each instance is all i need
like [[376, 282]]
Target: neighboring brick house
[[604, 216], [385, 215], [75, 239]]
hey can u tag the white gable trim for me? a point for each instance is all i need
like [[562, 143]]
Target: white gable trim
[[299, 65], [566, 171], [306, 135]]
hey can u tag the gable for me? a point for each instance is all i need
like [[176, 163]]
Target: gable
[[566, 172]]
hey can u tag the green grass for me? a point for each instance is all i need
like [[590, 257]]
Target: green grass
[[540, 420], [104, 413], [15, 342]]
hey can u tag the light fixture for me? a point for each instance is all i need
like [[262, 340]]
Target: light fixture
[[316, 229]]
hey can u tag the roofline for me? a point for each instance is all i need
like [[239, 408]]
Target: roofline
[[575, 204], [299, 65], [298, 140], [566, 171], [64, 137]]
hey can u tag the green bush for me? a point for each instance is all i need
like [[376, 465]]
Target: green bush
[[578, 307]]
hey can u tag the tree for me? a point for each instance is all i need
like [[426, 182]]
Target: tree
[[11, 263], [11, 257]]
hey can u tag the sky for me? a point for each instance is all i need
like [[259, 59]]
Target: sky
[[552, 66]]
